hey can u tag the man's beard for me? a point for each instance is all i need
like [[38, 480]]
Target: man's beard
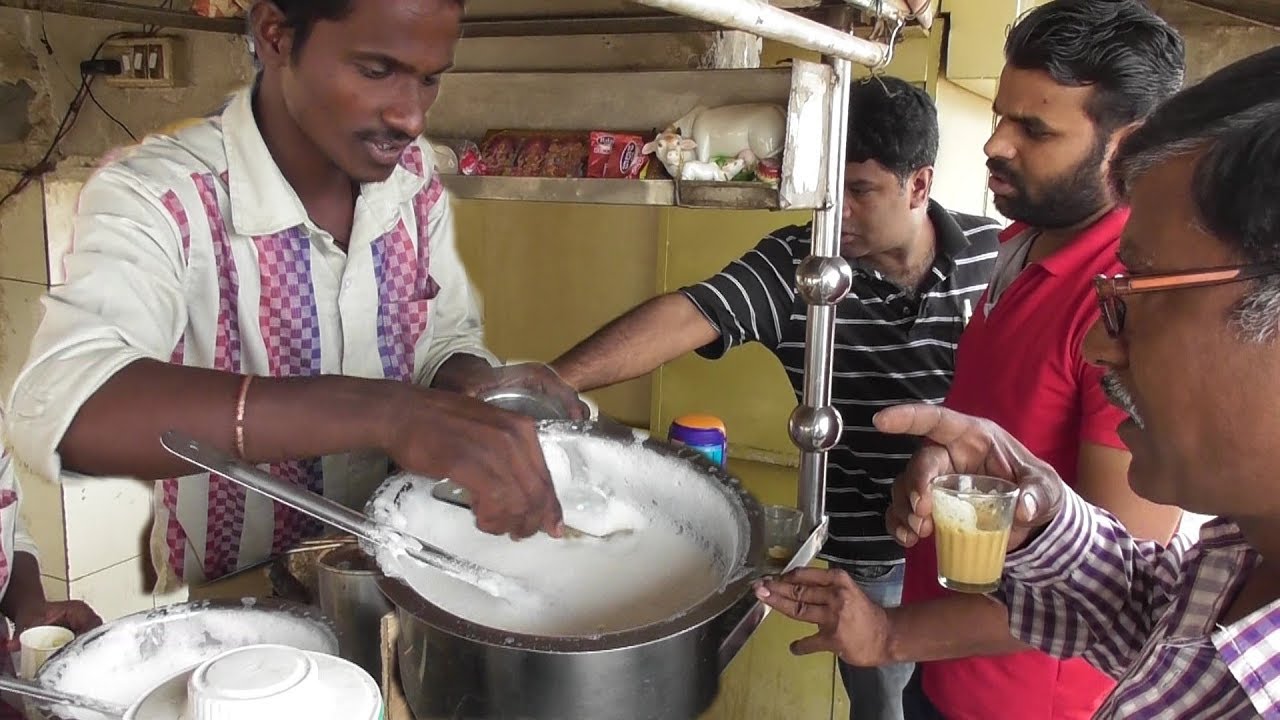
[[1067, 201], [1120, 396]]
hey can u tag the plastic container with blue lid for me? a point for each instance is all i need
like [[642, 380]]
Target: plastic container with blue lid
[[704, 433]]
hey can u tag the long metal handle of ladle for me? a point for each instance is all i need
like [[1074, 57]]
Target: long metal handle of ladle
[[25, 688], [298, 498], [333, 513]]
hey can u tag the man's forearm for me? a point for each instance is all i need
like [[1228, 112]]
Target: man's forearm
[[25, 593], [635, 344], [953, 627], [117, 431], [458, 370]]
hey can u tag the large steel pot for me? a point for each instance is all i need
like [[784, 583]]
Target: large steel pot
[[456, 669]]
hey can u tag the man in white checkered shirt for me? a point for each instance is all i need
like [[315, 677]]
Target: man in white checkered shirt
[[301, 237]]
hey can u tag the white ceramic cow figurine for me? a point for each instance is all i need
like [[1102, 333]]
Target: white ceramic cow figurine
[[728, 130], [710, 170], [672, 150]]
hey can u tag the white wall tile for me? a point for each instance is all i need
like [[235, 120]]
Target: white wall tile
[[22, 246], [107, 520], [180, 595], [61, 197], [20, 313], [116, 591], [55, 589], [42, 514]]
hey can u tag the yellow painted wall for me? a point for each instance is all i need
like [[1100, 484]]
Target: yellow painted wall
[[748, 388], [960, 177], [551, 274]]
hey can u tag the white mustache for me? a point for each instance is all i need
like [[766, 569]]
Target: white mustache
[[1120, 396]]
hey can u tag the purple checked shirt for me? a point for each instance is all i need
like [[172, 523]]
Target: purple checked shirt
[[1147, 615]]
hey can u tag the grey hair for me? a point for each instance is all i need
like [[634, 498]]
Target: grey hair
[[1230, 123]]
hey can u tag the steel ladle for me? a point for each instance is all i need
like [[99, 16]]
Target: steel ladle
[[340, 516], [56, 697]]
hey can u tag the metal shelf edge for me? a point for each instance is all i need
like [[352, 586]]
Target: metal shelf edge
[[596, 191]]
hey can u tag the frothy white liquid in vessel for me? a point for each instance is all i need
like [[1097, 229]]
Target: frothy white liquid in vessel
[[580, 587], [124, 664]]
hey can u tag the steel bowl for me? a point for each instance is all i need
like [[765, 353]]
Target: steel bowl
[[124, 659], [525, 402], [452, 667]]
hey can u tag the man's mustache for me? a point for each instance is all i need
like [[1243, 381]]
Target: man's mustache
[[1120, 396]]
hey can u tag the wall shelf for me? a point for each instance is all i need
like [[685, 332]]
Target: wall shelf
[[643, 102], [594, 191], [474, 27]]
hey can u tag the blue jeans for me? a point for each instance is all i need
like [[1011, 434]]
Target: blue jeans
[[876, 693]]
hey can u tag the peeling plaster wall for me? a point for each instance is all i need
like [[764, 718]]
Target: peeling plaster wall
[[1210, 47], [215, 64]]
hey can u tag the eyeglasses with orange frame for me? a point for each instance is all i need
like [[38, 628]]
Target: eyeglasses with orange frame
[[1112, 290]]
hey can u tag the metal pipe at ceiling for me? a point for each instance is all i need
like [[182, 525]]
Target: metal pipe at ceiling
[[760, 18], [823, 280]]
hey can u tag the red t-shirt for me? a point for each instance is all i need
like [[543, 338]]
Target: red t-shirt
[[1022, 366]]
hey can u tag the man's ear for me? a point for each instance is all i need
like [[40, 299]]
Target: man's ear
[[1113, 182], [919, 186], [272, 38]]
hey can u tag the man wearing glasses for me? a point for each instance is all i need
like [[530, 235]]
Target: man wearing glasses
[[1188, 339], [1078, 74]]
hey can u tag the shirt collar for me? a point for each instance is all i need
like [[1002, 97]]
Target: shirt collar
[[262, 200], [951, 239], [1084, 247], [948, 236]]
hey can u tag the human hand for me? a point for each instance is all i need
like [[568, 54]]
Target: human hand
[[956, 443], [533, 377], [492, 453], [73, 615], [849, 624]]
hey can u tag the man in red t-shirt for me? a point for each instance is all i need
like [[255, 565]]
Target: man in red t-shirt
[[1078, 73]]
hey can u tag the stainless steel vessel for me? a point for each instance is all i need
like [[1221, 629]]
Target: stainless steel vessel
[[455, 669]]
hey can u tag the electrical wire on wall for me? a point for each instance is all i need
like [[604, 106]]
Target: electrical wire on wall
[[84, 93]]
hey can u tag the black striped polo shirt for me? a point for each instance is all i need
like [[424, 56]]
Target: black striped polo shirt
[[891, 347]]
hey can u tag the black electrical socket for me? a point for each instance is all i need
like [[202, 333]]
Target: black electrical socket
[[101, 67]]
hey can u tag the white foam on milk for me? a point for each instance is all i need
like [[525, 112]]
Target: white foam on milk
[[124, 664], [579, 587], [954, 512]]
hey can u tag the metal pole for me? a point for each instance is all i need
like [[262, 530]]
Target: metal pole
[[823, 279], [760, 18]]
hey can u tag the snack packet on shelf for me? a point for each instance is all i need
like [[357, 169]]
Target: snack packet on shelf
[[220, 8], [616, 155], [457, 155], [769, 171], [535, 153]]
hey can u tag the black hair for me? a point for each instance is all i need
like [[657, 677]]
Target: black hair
[[300, 16], [1132, 58], [894, 123], [1232, 118]]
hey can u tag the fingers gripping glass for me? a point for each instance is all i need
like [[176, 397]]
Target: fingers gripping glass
[[1111, 290]]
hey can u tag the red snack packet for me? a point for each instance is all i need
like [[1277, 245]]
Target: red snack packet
[[469, 160], [769, 171], [530, 156], [498, 154], [616, 155], [566, 157]]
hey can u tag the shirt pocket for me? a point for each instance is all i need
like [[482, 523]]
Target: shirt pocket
[[401, 324]]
